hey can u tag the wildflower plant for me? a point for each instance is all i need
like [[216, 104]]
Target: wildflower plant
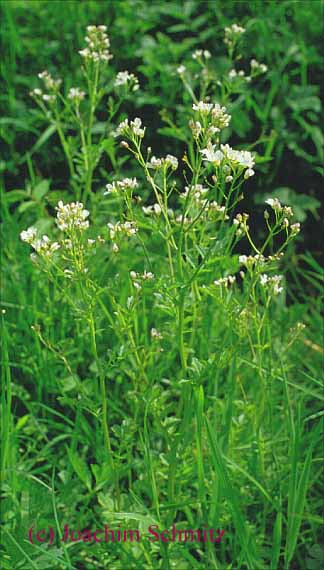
[[77, 108], [176, 302]]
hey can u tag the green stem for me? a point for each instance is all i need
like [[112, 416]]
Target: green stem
[[104, 404]]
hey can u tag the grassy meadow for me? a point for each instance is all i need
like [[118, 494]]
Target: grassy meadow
[[162, 354]]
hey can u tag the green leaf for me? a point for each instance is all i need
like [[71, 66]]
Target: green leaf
[[80, 467], [14, 196], [40, 189], [26, 206]]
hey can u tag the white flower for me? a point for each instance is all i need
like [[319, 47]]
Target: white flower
[[201, 107], [248, 173], [169, 161], [195, 127], [136, 127], [97, 45], [226, 281], [263, 279], [148, 275], [36, 93], [50, 83], [219, 116], [232, 34], [288, 211], [273, 283], [29, 235], [153, 209], [217, 208], [199, 54], [196, 190], [71, 216], [125, 78], [274, 203], [211, 155], [76, 95], [127, 228], [122, 128], [155, 334], [295, 228], [241, 158], [49, 98], [258, 67], [243, 259], [125, 184], [43, 246], [181, 70], [130, 129]]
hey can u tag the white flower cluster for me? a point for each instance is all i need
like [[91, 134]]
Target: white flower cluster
[[97, 44], [127, 228], [183, 220], [236, 159], [257, 68], [242, 158], [272, 283], [276, 205], [197, 191], [215, 207], [76, 95], [43, 246], [284, 213], [226, 281], [137, 277], [51, 85], [201, 54], [169, 161], [196, 128], [152, 209], [213, 114], [146, 276], [121, 185], [219, 118], [129, 129], [155, 334], [240, 221], [124, 78], [233, 75], [71, 216], [258, 259], [295, 229], [232, 34], [202, 107]]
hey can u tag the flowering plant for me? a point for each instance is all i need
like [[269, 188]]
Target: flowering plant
[[164, 329]]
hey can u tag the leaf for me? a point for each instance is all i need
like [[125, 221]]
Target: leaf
[[40, 189], [68, 384], [302, 104], [80, 467], [14, 196], [42, 140], [26, 206]]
